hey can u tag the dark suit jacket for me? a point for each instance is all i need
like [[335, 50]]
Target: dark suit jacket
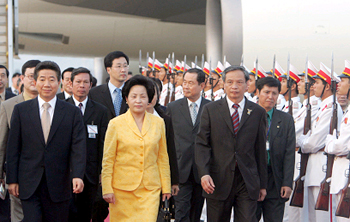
[[174, 170], [185, 134], [218, 148], [9, 94], [61, 96], [28, 157], [282, 150], [95, 114], [102, 95]]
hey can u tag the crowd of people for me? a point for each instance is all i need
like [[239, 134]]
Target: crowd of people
[[222, 144]]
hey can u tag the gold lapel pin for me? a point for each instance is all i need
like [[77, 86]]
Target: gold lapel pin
[[249, 111], [278, 127]]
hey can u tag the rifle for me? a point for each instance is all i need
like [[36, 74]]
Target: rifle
[[323, 196], [172, 73], [297, 199], [290, 83], [211, 81], [140, 60], [343, 209]]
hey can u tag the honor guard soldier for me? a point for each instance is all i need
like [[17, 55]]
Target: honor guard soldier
[[340, 146], [167, 86], [214, 90], [314, 142], [293, 75], [281, 101]]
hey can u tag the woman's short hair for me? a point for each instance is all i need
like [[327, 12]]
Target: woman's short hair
[[139, 80]]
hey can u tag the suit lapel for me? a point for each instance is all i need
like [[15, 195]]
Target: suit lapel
[[106, 96], [57, 118], [198, 119], [146, 124], [223, 108], [132, 124], [275, 125], [89, 110], [185, 111], [34, 115], [245, 116]]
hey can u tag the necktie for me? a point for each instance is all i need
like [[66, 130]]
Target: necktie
[[45, 121], [81, 108], [117, 101], [193, 112], [235, 118]]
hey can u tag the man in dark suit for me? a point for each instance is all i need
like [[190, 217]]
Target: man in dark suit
[[46, 146], [230, 152], [66, 84], [185, 115], [29, 92], [4, 78], [280, 147], [109, 94], [95, 121]]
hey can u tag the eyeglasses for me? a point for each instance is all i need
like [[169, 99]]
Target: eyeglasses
[[30, 77], [121, 67]]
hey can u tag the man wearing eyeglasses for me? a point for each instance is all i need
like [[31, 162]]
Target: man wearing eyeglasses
[[29, 92], [109, 94]]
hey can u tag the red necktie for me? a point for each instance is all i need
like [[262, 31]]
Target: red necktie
[[235, 118]]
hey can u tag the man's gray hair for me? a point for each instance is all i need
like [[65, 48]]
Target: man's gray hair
[[234, 68]]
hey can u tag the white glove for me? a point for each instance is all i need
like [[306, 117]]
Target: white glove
[[302, 138], [329, 140]]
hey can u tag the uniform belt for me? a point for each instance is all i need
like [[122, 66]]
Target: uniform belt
[[321, 150], [342, 156]]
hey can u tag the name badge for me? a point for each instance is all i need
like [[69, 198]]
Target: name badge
[[92, 131], [267, 145]]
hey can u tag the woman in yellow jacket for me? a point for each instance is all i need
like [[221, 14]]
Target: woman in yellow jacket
[[135, 166]]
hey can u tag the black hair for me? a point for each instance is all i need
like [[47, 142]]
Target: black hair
[[80, 70], [69, 69], [268, 81], [139, 80], [29, 64], [16, 74], [199, 72], [47, 65], [234, 68], [108, 61], [94, 82], [156, 83], [7, 71]]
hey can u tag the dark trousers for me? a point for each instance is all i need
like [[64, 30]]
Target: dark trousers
[[272, 208], [80, 209], [244, 207], [39, 207], [5, 209], [100, 207], [189, 201]]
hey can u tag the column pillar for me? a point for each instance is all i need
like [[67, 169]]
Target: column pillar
[[213, 24]]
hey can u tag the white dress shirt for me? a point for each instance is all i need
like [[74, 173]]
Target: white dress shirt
[[51, 109], [76, 102], [240, 108]]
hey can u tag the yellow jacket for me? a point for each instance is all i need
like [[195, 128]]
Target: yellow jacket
[[132, 157]]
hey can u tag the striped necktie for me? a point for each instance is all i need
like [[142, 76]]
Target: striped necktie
[[117, 101], [193, 112], [235, 118]]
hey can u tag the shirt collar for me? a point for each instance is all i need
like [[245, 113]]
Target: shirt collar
[[198, 102], [26, 96], [113, 87], [52, 102], [270, 113], [76, 102], [66, 95], [241, 103]]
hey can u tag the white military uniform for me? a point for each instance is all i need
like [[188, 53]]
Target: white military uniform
[[340, 148], [179, 94], [164, 93], [248, 96], [218, 94], [314, 143], [297, 214], [281, 101], [296, 106]]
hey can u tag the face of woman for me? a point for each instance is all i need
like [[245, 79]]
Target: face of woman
[[154, 100], [137, 99]]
